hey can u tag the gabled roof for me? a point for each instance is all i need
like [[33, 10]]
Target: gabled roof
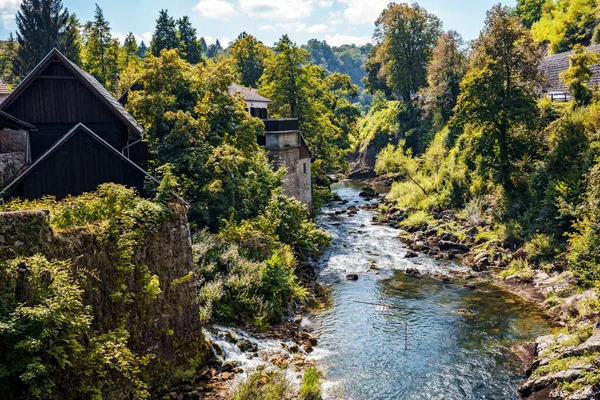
[[10, 122], [553, 65], [77, 128], [88, 80], [249, 94]]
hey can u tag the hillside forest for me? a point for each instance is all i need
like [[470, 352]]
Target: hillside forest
[[451, 125]]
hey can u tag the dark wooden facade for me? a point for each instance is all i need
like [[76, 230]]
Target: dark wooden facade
[[58, 95], [77, 163]]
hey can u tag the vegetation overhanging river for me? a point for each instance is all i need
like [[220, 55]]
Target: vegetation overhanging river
[[394, 336]]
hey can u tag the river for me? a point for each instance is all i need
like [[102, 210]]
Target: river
[[393, 336]]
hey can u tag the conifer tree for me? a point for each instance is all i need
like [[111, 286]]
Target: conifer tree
[[165, 35], [70, 42], [7, 59], [203, 45], [100, 53], [142, 50], [189, 46], [214, 50], [129, 51], [41, 26]]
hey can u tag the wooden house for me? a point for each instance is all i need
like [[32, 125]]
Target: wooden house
[[83, 136]]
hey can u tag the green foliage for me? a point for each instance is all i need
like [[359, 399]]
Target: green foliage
[[300, 89], [248, 56], [405, 36], [311, 385], [189, 46], [530, 11], [541, 247], [34, 43], [100, 51], [579, 74], [165, 34], [418, 220], [498, 94], [564, 23]]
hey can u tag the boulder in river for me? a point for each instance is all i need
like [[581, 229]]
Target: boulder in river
[[412, 272], [411, 254], [464, 311], [368, 193], [351, 277]]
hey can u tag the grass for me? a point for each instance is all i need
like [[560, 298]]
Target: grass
[[520, 267], [418, 219], [311, 385], [265, 386]]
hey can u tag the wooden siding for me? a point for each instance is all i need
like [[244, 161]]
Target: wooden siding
[[56, 101], [78, 166]]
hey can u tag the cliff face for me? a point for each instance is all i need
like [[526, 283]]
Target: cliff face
[[149, 289]]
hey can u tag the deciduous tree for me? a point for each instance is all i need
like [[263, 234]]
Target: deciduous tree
[[248, 56]]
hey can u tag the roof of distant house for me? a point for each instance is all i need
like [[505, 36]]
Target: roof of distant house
[[249, 94], [88, 80], [4, 88], [553, 65]]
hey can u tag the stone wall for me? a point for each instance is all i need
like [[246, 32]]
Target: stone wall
[[297, 181], [282, 139], [14, 154], [167, 325]]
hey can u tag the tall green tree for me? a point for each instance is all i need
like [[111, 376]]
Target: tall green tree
[[499, 93], [70, 41], [165, 34], [203, 45], [189, 46], [405, 36], [41, 26], [444, 73], [248, 56], [101, 50]]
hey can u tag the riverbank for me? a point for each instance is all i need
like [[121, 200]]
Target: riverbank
[[559, 366]]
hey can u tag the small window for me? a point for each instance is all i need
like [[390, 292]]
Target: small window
[[304, 167]]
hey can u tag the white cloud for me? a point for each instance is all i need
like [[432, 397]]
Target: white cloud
[[217, 9], [8, 9], [359, 12], [338, 39], [209, 40], [277, 9], [318, 28], [325, 3], [224, 42], [266, 28]]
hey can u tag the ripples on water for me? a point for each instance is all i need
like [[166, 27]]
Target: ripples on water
[[365, 349]]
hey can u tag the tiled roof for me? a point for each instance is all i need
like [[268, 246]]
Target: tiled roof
[[553, 65], [92, 83], [249, 94], [3, 88]]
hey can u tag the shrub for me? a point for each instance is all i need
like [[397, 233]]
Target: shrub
[[540, 247], [418, 219], [265, 386]]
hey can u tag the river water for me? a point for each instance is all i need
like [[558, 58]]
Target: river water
[[393, 336]]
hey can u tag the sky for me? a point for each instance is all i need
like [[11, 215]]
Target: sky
[[336, 21]]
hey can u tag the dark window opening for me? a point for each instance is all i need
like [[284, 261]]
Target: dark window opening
[[304, 167]]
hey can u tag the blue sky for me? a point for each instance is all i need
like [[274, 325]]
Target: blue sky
[[337, 21]]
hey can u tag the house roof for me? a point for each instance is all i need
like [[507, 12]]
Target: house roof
[[3, 88], [77, 128], [10, 122], [553, 65], [249, 94], [88, 80]]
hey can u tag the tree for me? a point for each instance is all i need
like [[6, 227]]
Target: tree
[[500, 91], [444, 73], [530, 11], [248, 56], [7, 59], [214, 50], [189, 45], [101, 50], [70, 41], [375, 80], [579, 74], [130, 64], [405, 37], [165, 34], [142, 50], [203, 45], [36, 42]]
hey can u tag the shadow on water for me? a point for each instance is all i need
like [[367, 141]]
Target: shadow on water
[[410, 342]]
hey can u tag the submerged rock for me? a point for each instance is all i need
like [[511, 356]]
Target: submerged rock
[[411, 254], [412, 272], [351, 277]]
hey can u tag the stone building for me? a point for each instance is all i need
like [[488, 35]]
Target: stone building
[[284, 143]]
